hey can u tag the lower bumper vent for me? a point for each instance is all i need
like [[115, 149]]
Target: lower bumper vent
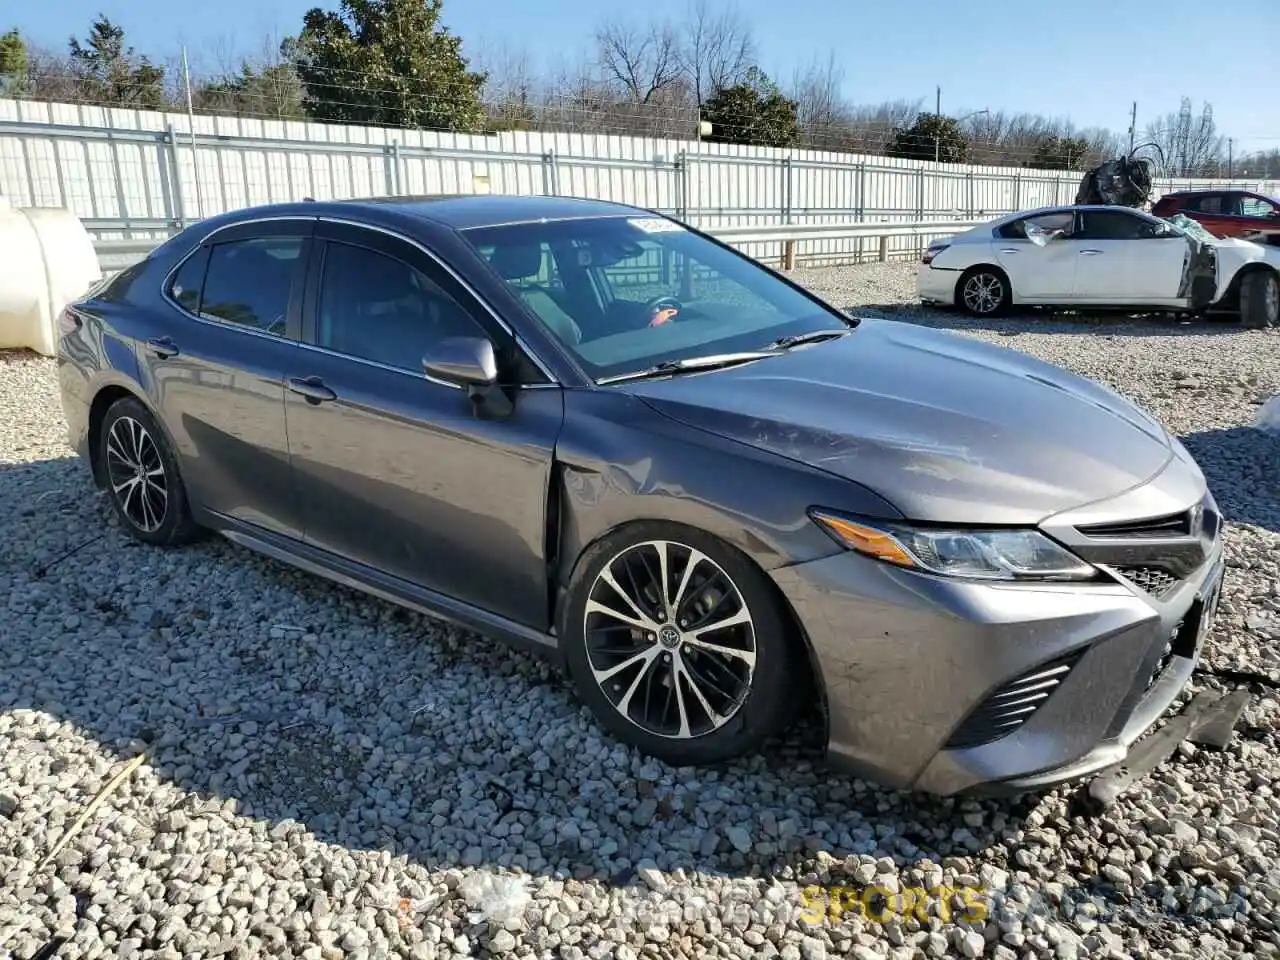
[[1012, 705], [1166, 657]]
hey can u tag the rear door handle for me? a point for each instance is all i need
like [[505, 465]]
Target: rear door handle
[[1009, 250], [162, 347], [1089, 253], [312, 388]]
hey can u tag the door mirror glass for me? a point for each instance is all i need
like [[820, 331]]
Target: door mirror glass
[[462, 362]]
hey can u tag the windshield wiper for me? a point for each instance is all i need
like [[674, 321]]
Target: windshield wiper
[[817, 336], [710, 362]]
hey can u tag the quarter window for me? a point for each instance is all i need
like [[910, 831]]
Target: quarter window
[[187, 282], [248, 282], [376, 307]]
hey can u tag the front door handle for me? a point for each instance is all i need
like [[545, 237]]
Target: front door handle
[[1009, 250], [162, 347], [312, 388], [1089, 253]]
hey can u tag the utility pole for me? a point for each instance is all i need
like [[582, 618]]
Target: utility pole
[[191, 123], [937, 128], [1230, 157], [1133, 124]]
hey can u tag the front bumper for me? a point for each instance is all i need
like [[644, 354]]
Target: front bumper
[[908, 660]]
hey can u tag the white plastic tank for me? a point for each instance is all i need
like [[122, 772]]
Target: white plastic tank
[[46, 261]]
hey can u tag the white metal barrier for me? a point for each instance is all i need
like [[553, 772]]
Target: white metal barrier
[[118, 254]]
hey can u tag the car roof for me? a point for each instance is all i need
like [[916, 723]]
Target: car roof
[[454, 211], [465, 212], [1068, 208]]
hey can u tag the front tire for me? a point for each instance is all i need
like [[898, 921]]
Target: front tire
[[679, 644], [1260, 299], [140, 473], [984, 292]]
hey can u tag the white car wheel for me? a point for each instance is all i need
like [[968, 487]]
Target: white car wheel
[[1260, 299]]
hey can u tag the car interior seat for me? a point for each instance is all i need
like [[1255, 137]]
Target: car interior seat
[[520, 263]]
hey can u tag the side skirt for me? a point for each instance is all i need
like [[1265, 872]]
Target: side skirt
[[392, 589]]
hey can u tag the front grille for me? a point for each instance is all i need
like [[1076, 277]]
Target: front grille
[[1155, 581], [1009, 707], [1173, 525]]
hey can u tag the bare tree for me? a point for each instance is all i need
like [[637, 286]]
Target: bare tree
[[640, 62], [718, 50], [511, 87], [870, 129], [821, 110]]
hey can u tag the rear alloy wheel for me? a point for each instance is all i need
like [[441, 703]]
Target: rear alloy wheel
[[678, 645], [1260, 299], [984, 292], [140, 473]]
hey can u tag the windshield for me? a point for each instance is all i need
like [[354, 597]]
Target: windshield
[[625, 293]]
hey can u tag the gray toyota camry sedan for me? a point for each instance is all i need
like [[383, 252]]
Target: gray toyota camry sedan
[[593, 431]]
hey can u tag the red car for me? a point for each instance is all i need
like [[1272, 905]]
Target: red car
[[1226, 213]]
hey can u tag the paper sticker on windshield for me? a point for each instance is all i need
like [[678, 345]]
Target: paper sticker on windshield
[[656, 225]]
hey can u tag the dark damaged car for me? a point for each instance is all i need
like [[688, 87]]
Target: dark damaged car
[[590, 430]]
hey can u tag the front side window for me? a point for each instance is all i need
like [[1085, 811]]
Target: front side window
[[247, 282], [1115, 225], [377, 307], [624, 293], [1255, 207]]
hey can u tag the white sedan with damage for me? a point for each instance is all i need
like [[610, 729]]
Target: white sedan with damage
[[1101, 257]]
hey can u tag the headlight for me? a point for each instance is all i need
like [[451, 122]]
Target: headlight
[[973, 554]]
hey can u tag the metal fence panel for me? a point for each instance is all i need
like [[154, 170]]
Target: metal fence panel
[[135, 173]]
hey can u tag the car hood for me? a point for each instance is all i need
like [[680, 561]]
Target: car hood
[[1242, 251], [944, 427]]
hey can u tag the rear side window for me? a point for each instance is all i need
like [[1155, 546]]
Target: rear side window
[[248, 282]]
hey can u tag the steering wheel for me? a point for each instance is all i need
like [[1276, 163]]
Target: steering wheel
[[663, 309]]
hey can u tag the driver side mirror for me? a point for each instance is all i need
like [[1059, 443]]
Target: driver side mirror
[[471, 364], [462, 362]]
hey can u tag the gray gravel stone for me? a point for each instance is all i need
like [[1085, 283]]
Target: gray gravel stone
[[369, 761]]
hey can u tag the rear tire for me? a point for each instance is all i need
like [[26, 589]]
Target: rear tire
[[1260, 299], [984, 292], [140, 474], [658, 673]]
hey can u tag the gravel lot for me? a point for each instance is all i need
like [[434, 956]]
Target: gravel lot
[[333, 777]]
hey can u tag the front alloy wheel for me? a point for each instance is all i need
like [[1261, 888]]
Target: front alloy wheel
[[678, 644], [670, 639]]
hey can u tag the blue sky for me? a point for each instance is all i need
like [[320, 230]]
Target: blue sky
[[1083, 59]]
